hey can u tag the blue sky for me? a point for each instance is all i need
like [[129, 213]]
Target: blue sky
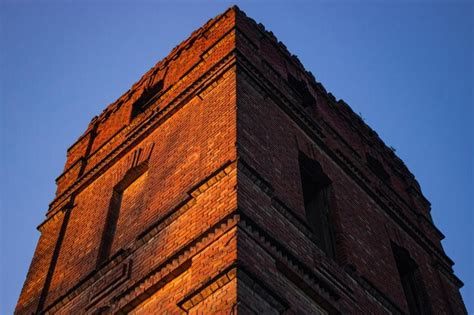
[[406, 67]]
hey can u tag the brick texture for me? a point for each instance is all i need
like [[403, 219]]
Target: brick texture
[[185, 196]]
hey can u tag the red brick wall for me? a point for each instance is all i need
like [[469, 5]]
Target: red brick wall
[[38, 272], [217, 222], [368, 214], [187, 138], [177, 164]]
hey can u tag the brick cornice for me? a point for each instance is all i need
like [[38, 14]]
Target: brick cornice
[[324, 286], [379, 296], [186, 252], [200, 294]]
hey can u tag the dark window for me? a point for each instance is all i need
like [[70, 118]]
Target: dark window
[[301, 88], [377, 168], [145, 99], [316, 193], [411, 281]]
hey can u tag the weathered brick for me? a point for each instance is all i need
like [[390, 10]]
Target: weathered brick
[[185, 195]]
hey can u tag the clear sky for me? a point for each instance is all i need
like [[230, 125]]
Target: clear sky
[[405, 66]]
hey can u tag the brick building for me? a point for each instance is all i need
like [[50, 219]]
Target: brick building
[[228, 180]]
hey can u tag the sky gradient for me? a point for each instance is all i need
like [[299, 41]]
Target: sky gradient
[[407, 68]]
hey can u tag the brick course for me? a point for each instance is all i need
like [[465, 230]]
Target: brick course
[[203, 152]]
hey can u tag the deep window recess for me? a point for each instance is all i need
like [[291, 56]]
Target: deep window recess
[[316, 193], [411, 281], [302, 89], [377, 168], [127, 197], [145, 99]]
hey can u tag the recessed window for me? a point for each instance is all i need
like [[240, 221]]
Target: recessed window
[[145, 99], [317, 188], [126, 202], [301, 88], [377, 167], [411, 281]]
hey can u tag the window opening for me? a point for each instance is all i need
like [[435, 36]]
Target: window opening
[[316, 193]]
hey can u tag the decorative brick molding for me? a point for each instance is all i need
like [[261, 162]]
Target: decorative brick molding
[[146, 236], [206, 290], [280, 252], [112, 279], [139, 298]]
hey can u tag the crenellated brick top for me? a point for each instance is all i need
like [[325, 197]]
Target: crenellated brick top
[[345, 115], [174, 74], [362, 145], [334, 117], [170, 69]]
